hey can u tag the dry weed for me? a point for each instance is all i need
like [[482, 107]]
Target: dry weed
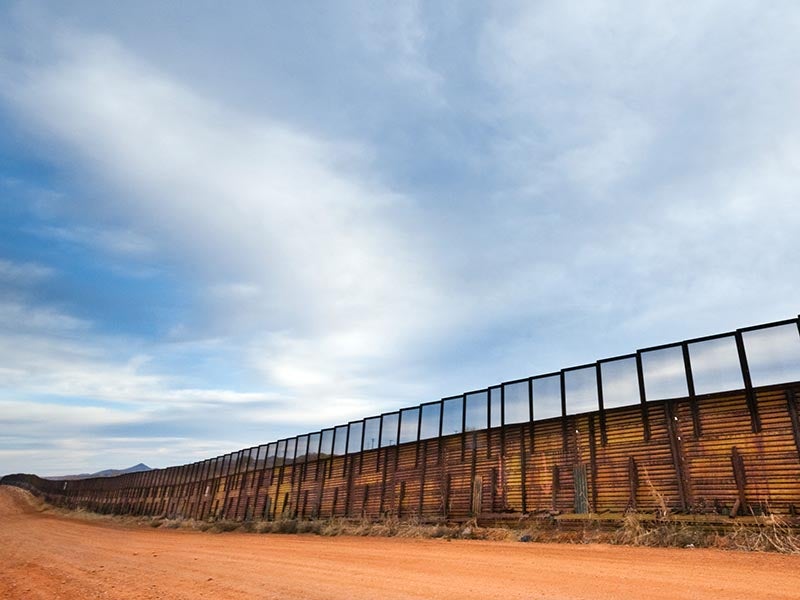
[[771, 534]]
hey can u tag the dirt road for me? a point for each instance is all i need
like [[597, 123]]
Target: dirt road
[[48, 556]]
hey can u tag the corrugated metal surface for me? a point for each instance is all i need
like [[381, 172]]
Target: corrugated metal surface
[[721, 467]]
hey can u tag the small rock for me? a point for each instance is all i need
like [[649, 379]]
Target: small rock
[[525, 538]]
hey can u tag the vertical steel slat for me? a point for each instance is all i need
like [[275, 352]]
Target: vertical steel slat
[[687, 365], [748, 384], [642, 396]]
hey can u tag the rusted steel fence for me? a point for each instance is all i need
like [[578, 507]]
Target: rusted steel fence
[[707, 425]]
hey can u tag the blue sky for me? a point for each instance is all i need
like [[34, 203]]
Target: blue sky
[[229, 224]]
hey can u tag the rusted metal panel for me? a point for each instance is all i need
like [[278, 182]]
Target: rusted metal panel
[[794, 418], [633, 483], [739, 475], [645, 464], [580, 489], [678, 459]]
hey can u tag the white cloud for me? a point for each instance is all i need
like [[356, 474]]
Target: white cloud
[[99, 369], [396, 35], [114, 241], [21, 317], [23, 273], [298, 220]]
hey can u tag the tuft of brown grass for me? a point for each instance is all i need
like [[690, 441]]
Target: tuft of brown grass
[[224, 526], [662, 533], [772, 534]]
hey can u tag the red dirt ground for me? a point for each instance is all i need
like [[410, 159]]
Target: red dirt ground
[[43, 555]]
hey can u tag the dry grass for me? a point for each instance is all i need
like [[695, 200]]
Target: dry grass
[[772, 534], [662, 533], [762, 534]]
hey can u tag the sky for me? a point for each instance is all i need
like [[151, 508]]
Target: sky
[[228, 224]]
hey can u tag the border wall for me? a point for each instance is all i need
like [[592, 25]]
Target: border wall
[[704, 426]]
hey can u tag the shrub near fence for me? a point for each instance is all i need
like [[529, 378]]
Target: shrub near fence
[[703, 426]]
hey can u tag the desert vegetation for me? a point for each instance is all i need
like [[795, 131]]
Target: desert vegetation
[[769, 533]]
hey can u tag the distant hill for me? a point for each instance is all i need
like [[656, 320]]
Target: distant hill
[[106, 473]]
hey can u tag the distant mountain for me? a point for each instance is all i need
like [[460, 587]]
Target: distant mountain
[[106, 473]]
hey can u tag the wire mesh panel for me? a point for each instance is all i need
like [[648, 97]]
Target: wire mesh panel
[[354, 439], [326, 444], [453, 415], [280, 454], [664, 373], [261, 456], [477, 411], [409, 425], [252, 459], [239, 460], [302, 448], [314, 440], [291, 446], [271, 452], [389, 429], [773, 354], [715, 365], [516, 402], [495, 406], [372, 431], [429, 425], [242, 467], [340, 440], [620, 382], [581, 390], [546, 397]]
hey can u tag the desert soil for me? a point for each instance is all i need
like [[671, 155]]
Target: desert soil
[[45, 555]]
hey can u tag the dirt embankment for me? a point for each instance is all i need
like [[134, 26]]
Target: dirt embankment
[[43, 555]]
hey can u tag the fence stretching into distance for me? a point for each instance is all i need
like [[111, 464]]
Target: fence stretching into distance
[[707, 425]]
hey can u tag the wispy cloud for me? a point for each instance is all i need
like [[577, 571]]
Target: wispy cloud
[[113, 241], [23, 273], [294, 237]]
